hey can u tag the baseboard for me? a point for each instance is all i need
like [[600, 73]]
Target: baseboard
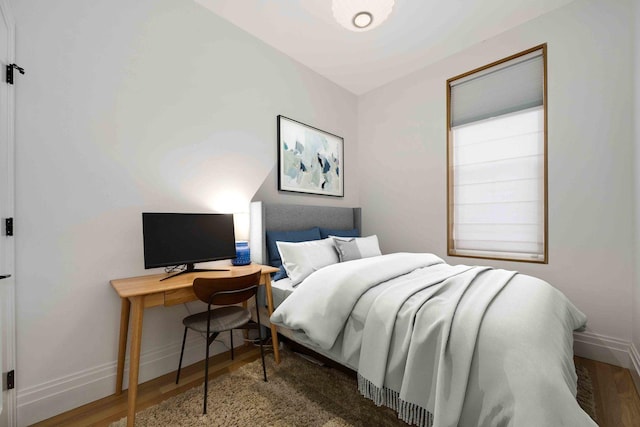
[[602, 348], [54, 397]]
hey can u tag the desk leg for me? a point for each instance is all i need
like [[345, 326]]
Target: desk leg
[[122, 346], [134, 357], [274, 329]]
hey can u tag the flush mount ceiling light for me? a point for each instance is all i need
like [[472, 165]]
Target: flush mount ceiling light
[[361, 15]]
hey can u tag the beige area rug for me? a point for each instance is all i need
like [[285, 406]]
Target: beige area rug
[[585, 395], [298, 393]]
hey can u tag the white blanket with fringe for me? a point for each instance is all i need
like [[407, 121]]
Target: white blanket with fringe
[[331, 293], [419, 343]]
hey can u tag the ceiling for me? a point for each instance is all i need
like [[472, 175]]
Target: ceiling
[[416, 34]]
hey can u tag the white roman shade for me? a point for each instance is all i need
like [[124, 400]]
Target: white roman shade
[[497, 161]]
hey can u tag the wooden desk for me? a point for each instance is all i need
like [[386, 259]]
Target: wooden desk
[[148, 291]]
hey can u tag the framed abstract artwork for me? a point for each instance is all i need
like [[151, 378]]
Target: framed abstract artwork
[[310, 160]]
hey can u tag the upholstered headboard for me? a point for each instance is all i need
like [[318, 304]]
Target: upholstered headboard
[[278, 217]]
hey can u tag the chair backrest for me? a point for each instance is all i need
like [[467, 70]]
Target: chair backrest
[[226, 290]]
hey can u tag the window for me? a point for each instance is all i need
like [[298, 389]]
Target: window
[[497, 161]]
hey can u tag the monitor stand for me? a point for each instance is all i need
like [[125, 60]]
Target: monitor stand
[[190, 268]]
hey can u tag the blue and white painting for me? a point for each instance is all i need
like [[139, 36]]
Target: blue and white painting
[[310, 160]]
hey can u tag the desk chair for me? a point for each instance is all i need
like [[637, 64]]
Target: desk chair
[[224, 291]]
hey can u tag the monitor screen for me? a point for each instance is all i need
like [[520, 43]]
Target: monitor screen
[[172, 239]]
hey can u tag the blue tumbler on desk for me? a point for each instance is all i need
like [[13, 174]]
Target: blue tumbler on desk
[[243, 256]]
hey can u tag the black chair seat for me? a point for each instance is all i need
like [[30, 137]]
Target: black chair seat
[[222, 319]]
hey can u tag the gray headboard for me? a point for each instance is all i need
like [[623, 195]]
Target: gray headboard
[[278, 217]]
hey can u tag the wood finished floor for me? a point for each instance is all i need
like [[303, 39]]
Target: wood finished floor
[[617, 401]]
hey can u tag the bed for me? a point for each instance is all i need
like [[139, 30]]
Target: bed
[[442, 345]]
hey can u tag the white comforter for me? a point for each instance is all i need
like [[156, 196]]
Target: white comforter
[[447, 345]]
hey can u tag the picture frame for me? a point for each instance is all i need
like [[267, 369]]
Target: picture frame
[[310, 160]]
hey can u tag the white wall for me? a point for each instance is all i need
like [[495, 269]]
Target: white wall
[[402, 129], [636, 110], [150, 105]]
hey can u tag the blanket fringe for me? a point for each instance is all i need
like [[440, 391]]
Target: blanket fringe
[[408, 412]]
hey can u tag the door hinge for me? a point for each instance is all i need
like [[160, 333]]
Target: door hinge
[[11, 380], [10, 68], [8, 226]]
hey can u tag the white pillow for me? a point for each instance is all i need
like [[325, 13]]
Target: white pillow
[[368, 246], [303, 258]]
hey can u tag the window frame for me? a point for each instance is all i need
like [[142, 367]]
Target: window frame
[[450, 178]]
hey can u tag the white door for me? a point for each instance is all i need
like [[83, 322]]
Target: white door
[[7, 281]]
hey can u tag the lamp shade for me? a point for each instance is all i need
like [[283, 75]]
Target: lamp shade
[[361, 15], [241, 225]]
